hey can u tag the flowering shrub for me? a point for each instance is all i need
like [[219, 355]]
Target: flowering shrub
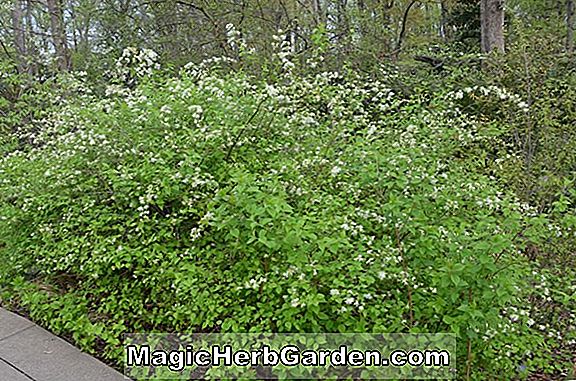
[[218, 203], [136, 63], [24, 104]]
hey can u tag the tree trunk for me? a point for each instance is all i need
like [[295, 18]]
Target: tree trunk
[[443, 20], [18, 36], [31, 50], [342, 19], [403, 29], [570, 26], [58, 34], [318, 12], [492, 25]]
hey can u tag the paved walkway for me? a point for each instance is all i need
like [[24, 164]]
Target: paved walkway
[[28, 352]]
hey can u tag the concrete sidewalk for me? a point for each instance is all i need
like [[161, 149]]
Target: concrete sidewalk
[[28, 352]]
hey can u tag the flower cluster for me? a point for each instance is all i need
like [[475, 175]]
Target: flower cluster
[[136, 63], [494, 93], [284, 51]]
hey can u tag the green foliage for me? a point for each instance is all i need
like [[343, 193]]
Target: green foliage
[[326, 203]]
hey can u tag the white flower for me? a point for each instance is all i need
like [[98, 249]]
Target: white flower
[[335, 170], [195, 233], [334, 292], [195, 109], [382, 275], [208, 216], [308, 120]]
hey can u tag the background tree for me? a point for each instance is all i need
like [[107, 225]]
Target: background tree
[[59, 34], [18, 32], [492, 25], [570, 26]]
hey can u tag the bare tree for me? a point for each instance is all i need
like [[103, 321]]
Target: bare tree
[[318, 10], [403, 29], [342, 19], [31, 50], [18, 35], [59, 33], [492, 25], [570, 26], [443, 20]]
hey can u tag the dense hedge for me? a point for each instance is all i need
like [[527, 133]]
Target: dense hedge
[[331, 203]]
